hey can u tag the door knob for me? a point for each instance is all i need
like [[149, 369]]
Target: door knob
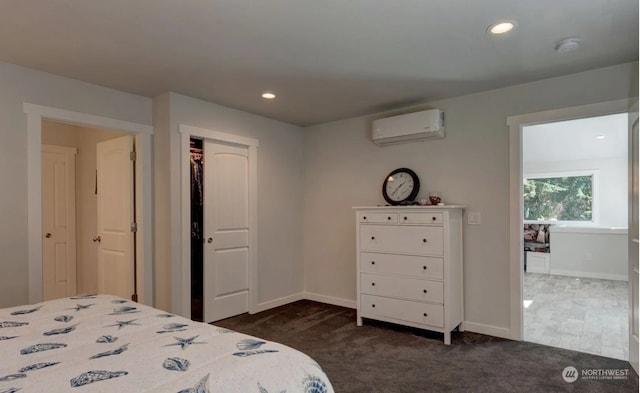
[[97, 239], [48, 235], [210, 240]]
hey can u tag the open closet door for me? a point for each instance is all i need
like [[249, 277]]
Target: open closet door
[[115, 237], [226, 230]]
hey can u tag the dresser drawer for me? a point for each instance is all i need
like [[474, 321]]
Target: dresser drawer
[[404, 310], [378, 217], [435, 218], [405, 265], [403, 287], [402, 239]]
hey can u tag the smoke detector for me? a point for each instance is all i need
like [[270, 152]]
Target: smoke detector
[[568, 45]]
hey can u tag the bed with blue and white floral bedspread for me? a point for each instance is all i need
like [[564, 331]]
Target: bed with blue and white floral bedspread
[[103, 343]]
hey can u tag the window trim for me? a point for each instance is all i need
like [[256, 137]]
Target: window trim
[[595, 201]]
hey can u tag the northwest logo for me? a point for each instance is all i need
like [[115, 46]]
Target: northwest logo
[[570, 374]]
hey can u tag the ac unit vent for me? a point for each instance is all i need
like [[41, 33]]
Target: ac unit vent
[[416, 126]]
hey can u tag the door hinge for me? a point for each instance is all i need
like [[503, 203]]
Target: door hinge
[[132, 155], [134, 227]]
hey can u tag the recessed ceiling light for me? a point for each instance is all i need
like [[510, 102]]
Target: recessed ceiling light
[[501, 27], [268, 95], [600, 137], [567, 45]]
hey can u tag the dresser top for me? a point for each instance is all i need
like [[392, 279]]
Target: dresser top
[[416, 207]]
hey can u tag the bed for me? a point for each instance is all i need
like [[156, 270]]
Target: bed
[[102, 343]]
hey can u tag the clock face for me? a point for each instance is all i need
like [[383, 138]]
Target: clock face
[[400, 185]]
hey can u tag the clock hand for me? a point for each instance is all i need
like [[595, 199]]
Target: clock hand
[[398, 188]]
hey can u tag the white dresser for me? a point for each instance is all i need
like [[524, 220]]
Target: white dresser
[[410, 266]]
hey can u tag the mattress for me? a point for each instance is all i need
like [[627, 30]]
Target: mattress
[[103, 343]]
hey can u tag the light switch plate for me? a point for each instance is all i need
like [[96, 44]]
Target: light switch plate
[[474, 218]]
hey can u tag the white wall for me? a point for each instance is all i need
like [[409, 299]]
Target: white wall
[[308, 181], [470, 167], [21, 85], [612, 185], [164, 253], [589, 252], [280, 190]]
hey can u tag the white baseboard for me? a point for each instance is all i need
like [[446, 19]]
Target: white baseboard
[[278, 302], [488, 330], [316, 297], [602, 276], [336, 301]]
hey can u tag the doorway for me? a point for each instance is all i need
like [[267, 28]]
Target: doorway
[[231, 235], [516, 125], [219, 229], [575, 217], [89, 242], [35, 115]]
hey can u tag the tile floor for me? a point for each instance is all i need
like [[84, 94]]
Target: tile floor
[[582, 314]]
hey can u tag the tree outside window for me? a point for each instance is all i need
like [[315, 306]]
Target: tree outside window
[[559, 198]]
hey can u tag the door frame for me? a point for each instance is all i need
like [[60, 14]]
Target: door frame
[[143, 133], [633, 233], [515, 125], [181, 269]]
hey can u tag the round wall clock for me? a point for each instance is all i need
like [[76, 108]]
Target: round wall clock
[[401, 185]]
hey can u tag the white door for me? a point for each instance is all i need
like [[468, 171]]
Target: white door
[[58, 222], [634, 176], [115, 217], [226, 231]]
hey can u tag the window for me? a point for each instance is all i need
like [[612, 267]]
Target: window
[[563, 197]]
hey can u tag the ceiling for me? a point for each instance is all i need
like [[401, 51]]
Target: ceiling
[[576, 139], [325, 60]]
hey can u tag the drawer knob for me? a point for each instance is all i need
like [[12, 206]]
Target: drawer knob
[[425, 314], [424, 240], [405, 218], [389, 218], [373, 305], [425, 291], [373, 238], [373, 262], [373, 284], [433, 218], [424, 268], [364, 218]]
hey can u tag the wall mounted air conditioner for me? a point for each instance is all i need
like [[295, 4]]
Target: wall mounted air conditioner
[[416, 126]]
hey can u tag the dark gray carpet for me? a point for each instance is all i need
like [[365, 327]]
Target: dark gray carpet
[[386, 358]]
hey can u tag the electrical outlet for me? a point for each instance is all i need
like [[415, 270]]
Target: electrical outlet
[[474, 218]]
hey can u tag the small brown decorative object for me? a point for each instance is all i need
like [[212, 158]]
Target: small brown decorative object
[[434, 198]]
